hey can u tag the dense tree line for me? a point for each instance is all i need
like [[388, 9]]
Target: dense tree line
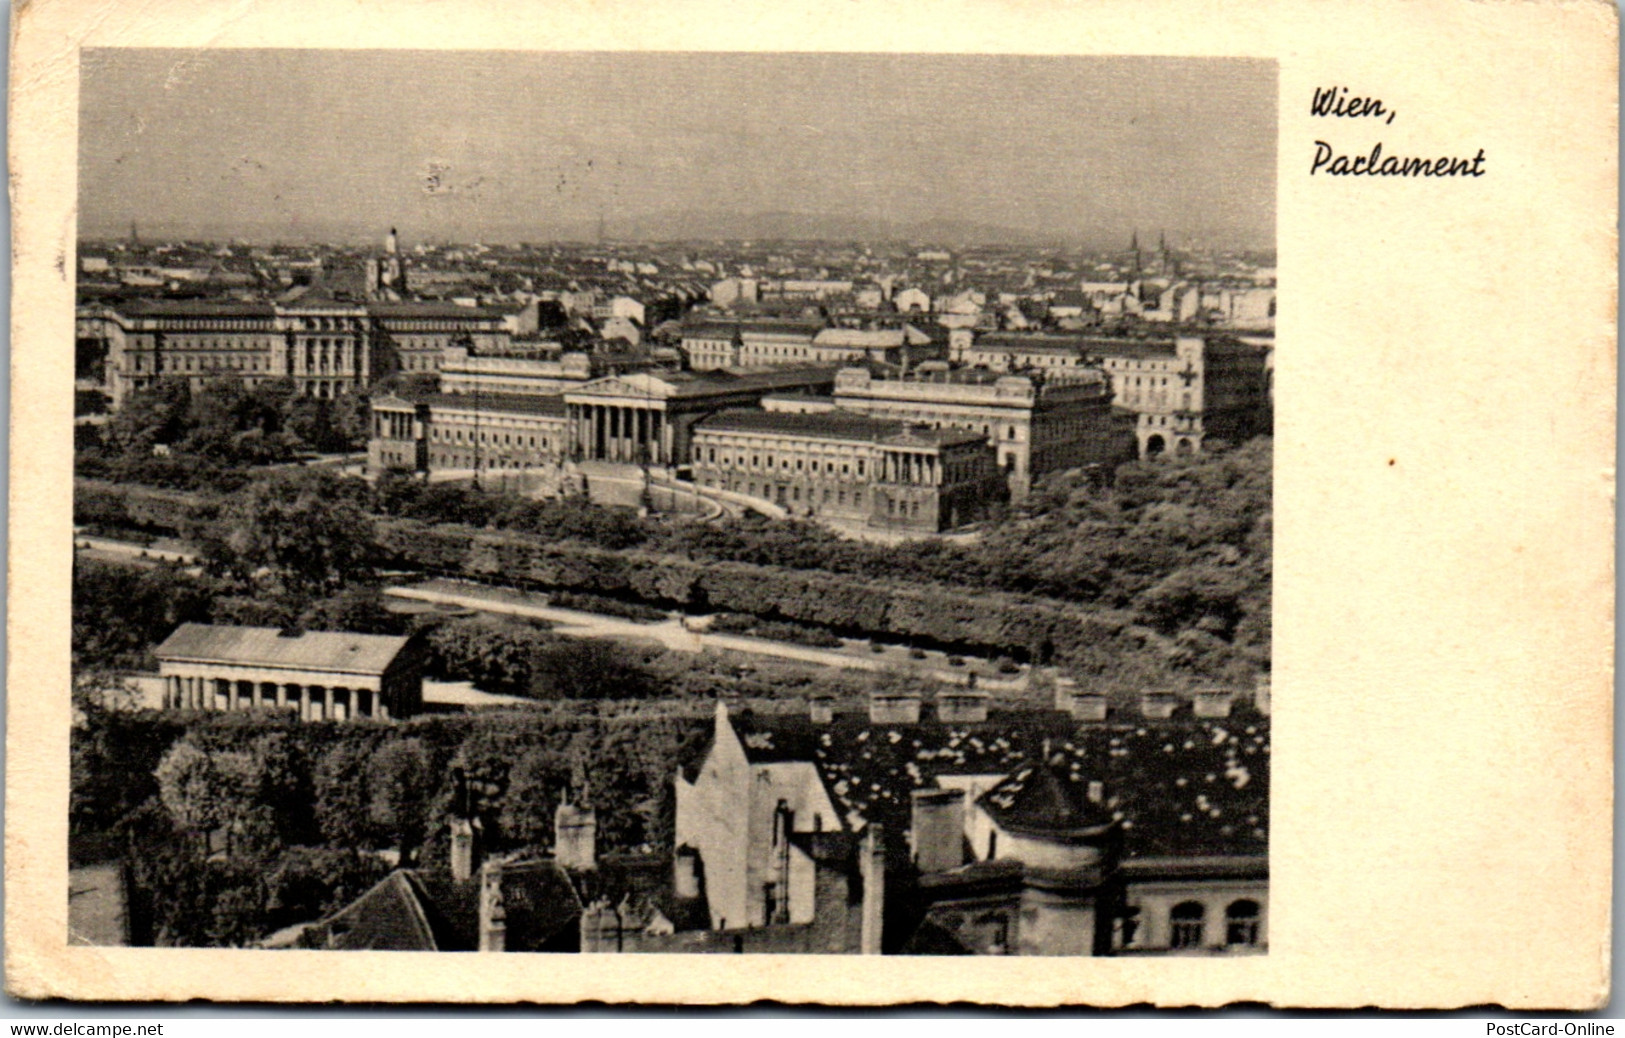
[[1164, 575], [233, 826], [122, 611], [168, 435]]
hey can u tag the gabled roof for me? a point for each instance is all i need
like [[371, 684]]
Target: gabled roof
[[429, 910], [540, 905], [337, 651], [388, 917]]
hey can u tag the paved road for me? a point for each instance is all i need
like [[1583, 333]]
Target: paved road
[[675, 634], [106, 547]]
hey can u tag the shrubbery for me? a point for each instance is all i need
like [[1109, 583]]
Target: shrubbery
[[590, 603], [518, 660], [236, 825], [777, 630], [1167, 572]]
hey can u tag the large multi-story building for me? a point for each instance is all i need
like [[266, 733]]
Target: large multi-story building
[[836, 465], [850, 467], [640, 418], [1016, 352], [467, 431], [414, 337], [1185, 388], [328, 347], [710, 345], [1035, 423], [536, 368]]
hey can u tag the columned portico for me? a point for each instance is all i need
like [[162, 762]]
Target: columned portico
[[317, 675], [627, 433], [308, 700]]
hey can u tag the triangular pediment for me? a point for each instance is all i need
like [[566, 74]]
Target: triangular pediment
[[636, 385]]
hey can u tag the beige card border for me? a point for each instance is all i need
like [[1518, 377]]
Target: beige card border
[[1444, 505]]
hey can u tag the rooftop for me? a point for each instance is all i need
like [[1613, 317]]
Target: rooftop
[[833, 425], [337, 651], [193, 308], [878, 338], [1181, 788], [1035, 799], [497, 403]]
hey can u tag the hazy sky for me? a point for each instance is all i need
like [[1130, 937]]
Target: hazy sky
[[522, 145]]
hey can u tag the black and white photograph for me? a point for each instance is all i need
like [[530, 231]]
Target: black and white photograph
[[673, 502]]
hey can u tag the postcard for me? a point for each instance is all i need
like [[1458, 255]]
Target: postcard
[[534, 489]]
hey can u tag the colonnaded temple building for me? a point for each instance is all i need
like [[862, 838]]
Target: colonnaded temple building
[[316, 675]]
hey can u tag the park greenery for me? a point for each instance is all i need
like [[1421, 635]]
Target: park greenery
[[232, 826], [1161, 578], [169, 435]]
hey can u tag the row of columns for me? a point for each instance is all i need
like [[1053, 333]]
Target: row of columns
[[614, 432], [326, 356], [909, 467], [310, 702], [393, 425]]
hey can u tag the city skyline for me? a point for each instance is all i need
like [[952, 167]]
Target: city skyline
[[333, 145]]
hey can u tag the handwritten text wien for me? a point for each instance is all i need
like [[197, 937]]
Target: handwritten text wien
[[1336, 102]]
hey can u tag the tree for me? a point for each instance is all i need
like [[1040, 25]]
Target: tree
[[587, 668], [296, 535], [196, 796], [357, 608], [151, 416], [398, 788], [536, 782], [340, 781], [496, 657]]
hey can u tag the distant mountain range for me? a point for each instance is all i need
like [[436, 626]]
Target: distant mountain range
[[703, 225], [674, 225]]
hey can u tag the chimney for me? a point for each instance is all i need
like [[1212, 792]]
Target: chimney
[[462, 849], [821, 708], [1212, 702], [1065, 690], [939, 829], [1089, 706], [493, 916], [575, 837], [1158, 706], [962, 705], [872, 869], [600, 927], [685, 873], [894, 708]]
